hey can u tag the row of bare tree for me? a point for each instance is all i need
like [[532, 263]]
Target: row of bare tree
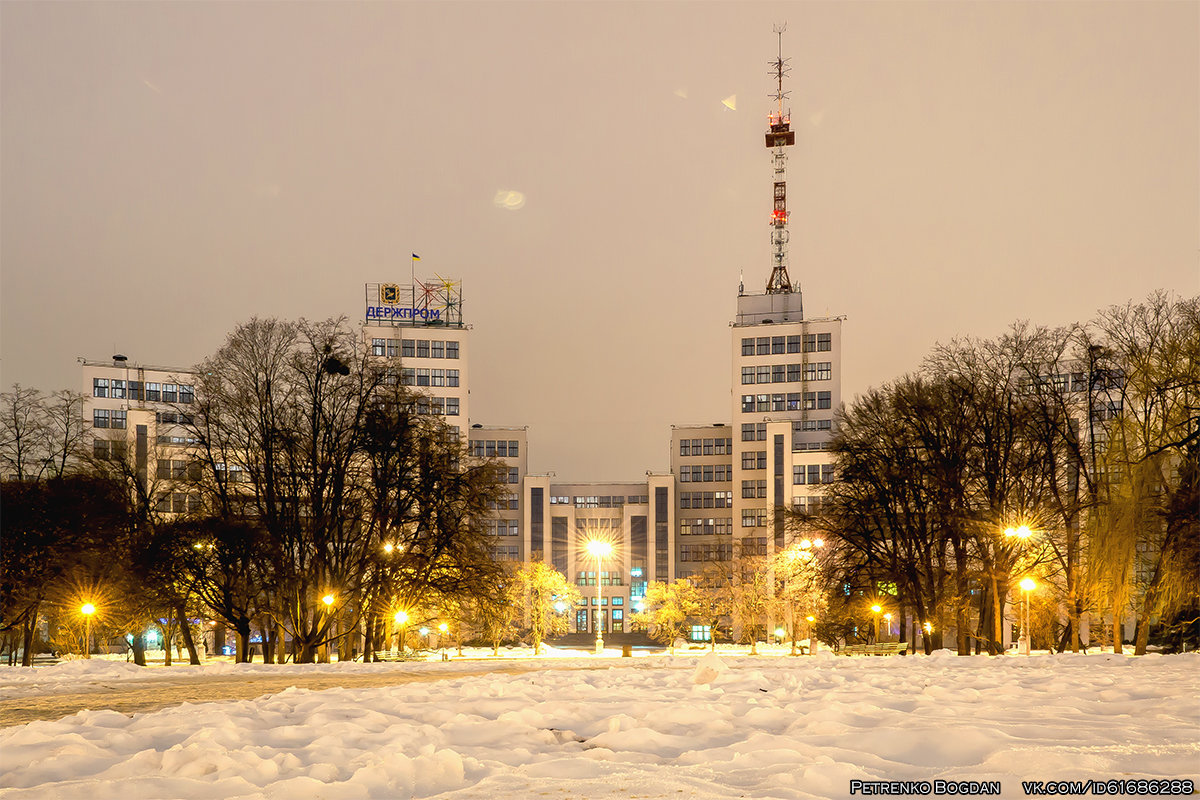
[[1087, 435], [320, 499]]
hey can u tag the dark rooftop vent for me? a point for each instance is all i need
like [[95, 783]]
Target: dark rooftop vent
[[120, 359]]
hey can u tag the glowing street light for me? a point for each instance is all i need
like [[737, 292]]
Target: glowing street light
[[87, 609], [1027, 585], [401, 619], [779, 634], [888, 618], [442, 629], [875, 609], [599, 549]]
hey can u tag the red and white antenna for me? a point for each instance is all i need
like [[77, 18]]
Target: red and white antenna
[[779, 137]]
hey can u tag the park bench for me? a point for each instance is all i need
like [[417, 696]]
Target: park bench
[[388, 655], [877, 649]]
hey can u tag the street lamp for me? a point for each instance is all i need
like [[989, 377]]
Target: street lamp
[[328, 601], [1027, 585], [888, 619], [599, 550], [401, 620], [779, 634], [87, 609], [442, 628], [875, 609]]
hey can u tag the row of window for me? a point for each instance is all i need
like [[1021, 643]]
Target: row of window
[[706, 473], [794, 401], [428, 377], [710, 526], [754, 546], [495, 448], [172, 418], [811, 505], [810, 446], [178, 503], [708, 551], [813, 425], [104, 449], [754, 459], [503, 527], [773, 345], [108, 418], [754, 489], [593, 524], [705, 447], [169, 469], [506, 552], [599, 501], [513, 475], [137, 390], [788, 373], [414, 348], [812, 473], [180, 440], [757, 431], [607, 578], [1065, 382], [439, 406], [754, 518], [509, 502], [706, 499]]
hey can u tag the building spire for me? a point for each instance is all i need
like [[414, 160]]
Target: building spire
[[779, 137]]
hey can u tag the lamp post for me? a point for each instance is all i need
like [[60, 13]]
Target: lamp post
[[812, 639], [875, 609], [888, 619], [1027, 586], [328, 601], [87, 609], [599, 549], [401, 620], [442, 629]]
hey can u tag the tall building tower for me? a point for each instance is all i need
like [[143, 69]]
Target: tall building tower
[[418, 331], [786, 374]]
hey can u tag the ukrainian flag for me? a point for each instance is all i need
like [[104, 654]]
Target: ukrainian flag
[[416, 257]]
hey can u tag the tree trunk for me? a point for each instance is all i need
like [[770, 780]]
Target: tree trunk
[[960, 604], [185, 631], [1118, 632], [139, 648], [168, 633], [280, 645], [242, 629], [28, 631], [1073, 602]]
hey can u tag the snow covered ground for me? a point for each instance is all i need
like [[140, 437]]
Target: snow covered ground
[[651, 727]]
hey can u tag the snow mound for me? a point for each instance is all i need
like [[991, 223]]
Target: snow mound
[[708, 669]]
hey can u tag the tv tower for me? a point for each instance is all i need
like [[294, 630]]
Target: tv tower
[[779, 137]]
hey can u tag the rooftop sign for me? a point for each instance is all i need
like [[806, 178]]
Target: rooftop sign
[[433, 302]]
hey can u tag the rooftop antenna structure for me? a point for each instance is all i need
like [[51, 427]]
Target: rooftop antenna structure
[[779, 137]]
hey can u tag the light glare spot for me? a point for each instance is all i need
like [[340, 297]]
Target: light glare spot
[[730, 102], [509, 200]]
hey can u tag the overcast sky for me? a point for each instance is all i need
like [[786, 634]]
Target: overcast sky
[[168, 170]]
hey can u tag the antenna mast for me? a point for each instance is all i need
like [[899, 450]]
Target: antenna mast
[[778, 137]]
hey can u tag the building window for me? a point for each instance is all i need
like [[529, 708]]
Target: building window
[[763, 402], [408, 376], [685, 447], [778, 373], [187, 394], [437, 377], [747, 403], [118, 419], [748, 490], [764, 346], [422, 377], [794, 372], [99, 387], [814, 473], [747, 375], [754, 517], [514, 448], [100, 418], [793, 401], [798, 474], [437, 350], [378, 347], [827, 473], [118, 390], [451, 349], [747, 347], [422, 348], [452, 377], [824, 342], [393, 348], [408, 348], [747, 431], [153, 392], [170, 393], [514, 475], [451, 406], [793, 344], [764, 374], [723, 447], [824, 370], [824, 400], [778, 344], [810, 401]]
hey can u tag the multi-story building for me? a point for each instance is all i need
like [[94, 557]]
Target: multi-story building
[[419, 329], [136, 415]]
